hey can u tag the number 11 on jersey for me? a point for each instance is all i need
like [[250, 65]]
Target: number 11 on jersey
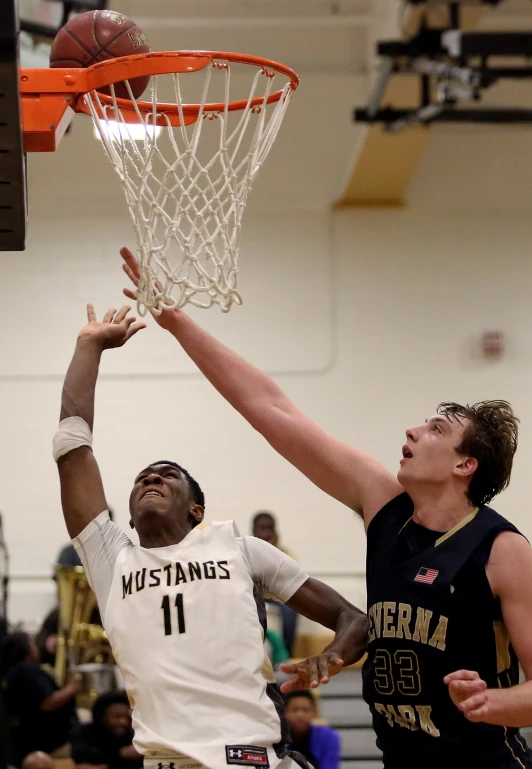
[[165, 606]]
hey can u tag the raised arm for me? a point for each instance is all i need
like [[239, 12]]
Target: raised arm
[[82, 493], [346, 473]]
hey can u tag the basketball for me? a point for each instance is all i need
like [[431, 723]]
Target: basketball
[[97, 36]]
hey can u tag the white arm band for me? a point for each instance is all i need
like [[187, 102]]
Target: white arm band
[[71, 434]]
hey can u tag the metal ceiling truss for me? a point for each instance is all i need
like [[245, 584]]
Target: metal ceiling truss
[[453, 67]]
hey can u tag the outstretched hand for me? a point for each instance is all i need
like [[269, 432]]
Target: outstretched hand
[[131, 268], [311, 672], [113, 331]]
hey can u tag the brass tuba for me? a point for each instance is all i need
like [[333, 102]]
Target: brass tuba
[[82, 645]]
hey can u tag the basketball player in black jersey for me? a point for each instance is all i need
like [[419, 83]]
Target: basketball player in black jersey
[[449, 580]]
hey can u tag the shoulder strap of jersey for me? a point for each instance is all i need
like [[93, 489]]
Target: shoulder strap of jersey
[[500, 524], [391, 517]]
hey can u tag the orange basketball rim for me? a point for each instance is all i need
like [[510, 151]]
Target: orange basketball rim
[[187, 173], [51, 97]]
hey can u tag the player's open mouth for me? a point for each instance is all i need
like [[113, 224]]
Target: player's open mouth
[[407, 454], [152, 493]]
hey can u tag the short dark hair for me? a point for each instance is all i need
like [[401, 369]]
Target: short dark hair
[[263, 514], [491, 438], [195, 489], [14, 648], [306, 693], [105, 700]]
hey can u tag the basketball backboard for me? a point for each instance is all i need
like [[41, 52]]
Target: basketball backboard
[[13, 207], [41, 20]]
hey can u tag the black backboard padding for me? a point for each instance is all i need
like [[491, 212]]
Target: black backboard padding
[[13, 207]]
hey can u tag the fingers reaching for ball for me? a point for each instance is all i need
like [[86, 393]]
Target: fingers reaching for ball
[[167, 317], [131, 268], [116, 328]]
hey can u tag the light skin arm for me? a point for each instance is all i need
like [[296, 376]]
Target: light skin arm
[[346, 473], [82, 494], [509, 572], [320, 603]]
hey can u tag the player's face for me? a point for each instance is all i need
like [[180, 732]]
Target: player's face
[[299, 713], [430, 452], [160, 489], [117, 718], [264, 528]]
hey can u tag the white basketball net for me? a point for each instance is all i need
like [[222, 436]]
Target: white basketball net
[[186, 205]]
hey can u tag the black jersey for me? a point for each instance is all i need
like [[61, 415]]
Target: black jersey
[[431, 612]]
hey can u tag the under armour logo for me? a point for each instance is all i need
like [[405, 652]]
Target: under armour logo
[[169, 765], [247, 755]]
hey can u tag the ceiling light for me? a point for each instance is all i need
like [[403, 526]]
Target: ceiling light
[[125, 131]]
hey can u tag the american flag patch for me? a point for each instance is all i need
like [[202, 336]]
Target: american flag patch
[[426, 575]]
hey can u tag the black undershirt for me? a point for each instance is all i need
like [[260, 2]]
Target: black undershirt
[[301, 744]]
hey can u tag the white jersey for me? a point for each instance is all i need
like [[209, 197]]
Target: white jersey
[[184, 627]]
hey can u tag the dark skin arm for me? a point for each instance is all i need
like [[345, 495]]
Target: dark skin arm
[[320, 603], [92, 766], [61, 697], [129, 753], [82, 493]]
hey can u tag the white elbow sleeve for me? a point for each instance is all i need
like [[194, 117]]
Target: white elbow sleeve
[[71, 434]]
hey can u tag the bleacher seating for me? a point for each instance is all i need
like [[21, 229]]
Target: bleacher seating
[[342, 707]]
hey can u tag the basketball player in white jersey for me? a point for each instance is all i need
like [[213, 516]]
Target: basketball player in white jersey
[[184, 610]]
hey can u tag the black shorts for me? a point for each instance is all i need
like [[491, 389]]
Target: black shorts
[[522, 761]]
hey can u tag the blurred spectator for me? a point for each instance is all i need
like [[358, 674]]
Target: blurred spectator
[[6, 749], [4, 628], [40, 714], [68, 556], [264, 526], [319, 744], [107, 741], [275, 648], [38, 760], [46, 638]]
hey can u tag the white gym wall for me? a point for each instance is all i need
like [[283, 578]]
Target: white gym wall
[[368, 318]]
